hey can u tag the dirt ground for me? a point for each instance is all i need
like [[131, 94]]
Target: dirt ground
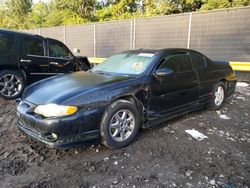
[[164, 156]]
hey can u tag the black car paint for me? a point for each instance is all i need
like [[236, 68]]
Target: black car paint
[[34, 64], [92, 93]]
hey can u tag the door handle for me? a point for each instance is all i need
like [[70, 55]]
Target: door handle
[[54, 63], [25, 61]]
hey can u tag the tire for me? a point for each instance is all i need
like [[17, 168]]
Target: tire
[[218, 96], [12, 84], [117, 132]]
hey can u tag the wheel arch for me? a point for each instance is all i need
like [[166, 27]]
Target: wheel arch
[[138, 101], [15, 68], [225, 83]]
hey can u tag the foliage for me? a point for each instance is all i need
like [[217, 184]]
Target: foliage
[[118, 10], [38, 15], [22, 14], [16, 12], [215, 4]]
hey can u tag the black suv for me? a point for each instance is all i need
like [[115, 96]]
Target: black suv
[[24, 55]]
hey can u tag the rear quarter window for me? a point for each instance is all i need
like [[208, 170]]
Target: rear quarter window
[[198, 61], [6, 43]]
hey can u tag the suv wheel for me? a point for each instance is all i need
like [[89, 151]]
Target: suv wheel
[[12, 84], [120, 124]]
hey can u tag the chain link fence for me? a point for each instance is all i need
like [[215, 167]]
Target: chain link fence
[[221, 34]]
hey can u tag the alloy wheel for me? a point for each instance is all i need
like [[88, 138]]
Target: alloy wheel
[[122, 125], [10, 85], [219, 96]]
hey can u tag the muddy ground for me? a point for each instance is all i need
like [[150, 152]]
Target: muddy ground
[[164, 156]]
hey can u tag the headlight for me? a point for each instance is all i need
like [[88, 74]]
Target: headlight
[[54, 110]]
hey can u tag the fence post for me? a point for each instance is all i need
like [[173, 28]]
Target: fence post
[[131, 35], [134, 35], [94, 40], [189, 30], [64, 34]]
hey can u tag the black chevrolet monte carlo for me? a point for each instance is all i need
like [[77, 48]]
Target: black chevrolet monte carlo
[[130, 90]]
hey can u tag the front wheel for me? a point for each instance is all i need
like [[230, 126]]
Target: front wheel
[[120, 124], [218, 96], [12, 84]]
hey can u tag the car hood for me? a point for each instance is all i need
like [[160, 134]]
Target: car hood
[[60, 88]]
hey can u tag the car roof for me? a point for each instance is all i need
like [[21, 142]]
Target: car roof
[[18, 32], [164, 50]]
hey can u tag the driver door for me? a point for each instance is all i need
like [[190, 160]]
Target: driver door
[[60, 58], [177, 91]]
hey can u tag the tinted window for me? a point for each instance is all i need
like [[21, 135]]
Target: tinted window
[[6, 42], [198, 61], [58, 50], [178, 63], [32, 46]]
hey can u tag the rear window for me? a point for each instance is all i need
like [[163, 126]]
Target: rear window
[[32, 46], [6, 43]]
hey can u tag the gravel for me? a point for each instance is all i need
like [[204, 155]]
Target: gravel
[[163, 156]]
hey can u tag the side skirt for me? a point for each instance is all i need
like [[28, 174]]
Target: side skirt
[[163, 118]]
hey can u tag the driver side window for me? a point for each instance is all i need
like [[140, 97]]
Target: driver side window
[[57, 50], [177, 63]]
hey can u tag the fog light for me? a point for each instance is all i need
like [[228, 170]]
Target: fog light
[[54, 135]]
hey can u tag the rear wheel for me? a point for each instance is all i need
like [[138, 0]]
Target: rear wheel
[[12, 84], [120, 124], [218, 96]]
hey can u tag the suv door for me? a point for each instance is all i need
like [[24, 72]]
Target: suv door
[[6, 49], [32, 55], [175, 92], [61, 60]]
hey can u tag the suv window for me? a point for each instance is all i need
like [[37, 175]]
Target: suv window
[[58, 50], [6, 42], [177, 63], [32, 46], [198, 60]]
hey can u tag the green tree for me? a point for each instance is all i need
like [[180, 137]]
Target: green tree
[[39, 14], [194, 5], [121, 9], [239, 3], [63, 17], [215, 4], [17, 12], [84, 8]]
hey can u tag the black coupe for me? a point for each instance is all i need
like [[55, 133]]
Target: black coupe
[[130, 90]]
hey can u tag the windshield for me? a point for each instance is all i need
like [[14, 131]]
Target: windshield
[[125, 63]]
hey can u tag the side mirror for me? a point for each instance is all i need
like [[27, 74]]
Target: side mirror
[[163, 72]]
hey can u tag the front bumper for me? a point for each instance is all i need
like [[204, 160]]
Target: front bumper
[[66, 143], [71, 131]]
